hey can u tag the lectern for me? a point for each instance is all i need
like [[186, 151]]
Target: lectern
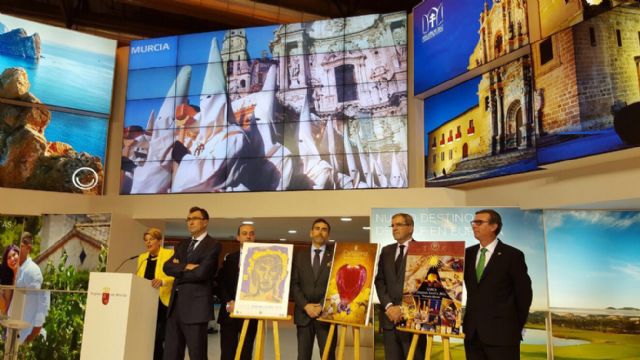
[[120, 317]]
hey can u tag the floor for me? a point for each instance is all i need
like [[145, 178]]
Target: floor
[[288, 343]]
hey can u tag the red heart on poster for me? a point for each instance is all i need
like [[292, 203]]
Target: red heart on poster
[[350, 280]]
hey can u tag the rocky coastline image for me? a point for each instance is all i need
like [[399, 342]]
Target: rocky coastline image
[[55, 102], [27, 159], [17, 43]]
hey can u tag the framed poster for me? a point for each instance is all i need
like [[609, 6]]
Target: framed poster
[[348, 296], [432, 299], [265, 275]]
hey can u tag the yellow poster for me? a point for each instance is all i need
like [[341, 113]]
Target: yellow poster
[[348, 296]]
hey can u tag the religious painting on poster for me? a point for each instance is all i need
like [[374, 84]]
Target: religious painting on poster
[[348, 296], [432, 299], [265, 275]]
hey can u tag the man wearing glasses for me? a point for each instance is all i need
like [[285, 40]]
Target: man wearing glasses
[[389, 283], [499, 293], [194, 266]]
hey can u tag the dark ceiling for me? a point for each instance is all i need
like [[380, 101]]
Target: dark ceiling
[[125, 20]]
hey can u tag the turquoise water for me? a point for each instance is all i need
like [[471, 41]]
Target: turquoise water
[[84, 133], [69, 77], [77, 79]]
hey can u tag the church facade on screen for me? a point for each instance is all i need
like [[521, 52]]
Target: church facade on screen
[[499, 131]]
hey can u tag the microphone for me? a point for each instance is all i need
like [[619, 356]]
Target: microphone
[[124, 261], [142, 263]]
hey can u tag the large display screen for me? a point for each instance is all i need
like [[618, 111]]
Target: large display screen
[[575, 94], [481, 128], [454, 36], [55, 101], [587, 87], [317, 105]]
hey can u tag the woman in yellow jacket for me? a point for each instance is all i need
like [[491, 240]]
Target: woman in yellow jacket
[[150, 265]]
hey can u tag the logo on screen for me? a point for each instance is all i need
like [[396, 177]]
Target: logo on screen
[[149, 48], [85, 178], [432, 23]]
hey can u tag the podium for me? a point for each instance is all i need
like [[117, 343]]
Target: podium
[[120, 317]]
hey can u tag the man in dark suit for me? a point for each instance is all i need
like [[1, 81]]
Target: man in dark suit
[[389, 285], [309, 279], [498, 293], [228, 282], [193, 265]]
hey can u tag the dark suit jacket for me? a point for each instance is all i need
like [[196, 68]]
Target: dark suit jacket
[[228, 283], [305, 288], [195, 287], [389, 284], [498, 305]]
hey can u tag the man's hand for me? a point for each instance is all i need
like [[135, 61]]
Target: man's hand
[[394, 313], [313, 310], [190, 267], [230, 306], [156, 283]]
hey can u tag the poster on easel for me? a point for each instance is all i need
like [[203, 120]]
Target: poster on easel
[[432, 295], [265, 275], [348, 296]]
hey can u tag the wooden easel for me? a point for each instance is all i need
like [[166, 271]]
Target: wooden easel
[[341, 341], [260, 335], [446, 344]]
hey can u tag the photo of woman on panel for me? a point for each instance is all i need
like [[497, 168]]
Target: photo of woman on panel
[[8, 270]]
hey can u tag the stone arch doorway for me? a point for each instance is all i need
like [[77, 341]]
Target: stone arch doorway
[[514, 125]]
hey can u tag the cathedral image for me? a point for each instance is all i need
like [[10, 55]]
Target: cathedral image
[[499, 130]]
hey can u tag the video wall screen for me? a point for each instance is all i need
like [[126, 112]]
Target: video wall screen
[[452, 37], [482, 128], [557, 15], [55, 103], [587, 87], [576, 93], [316, 105]]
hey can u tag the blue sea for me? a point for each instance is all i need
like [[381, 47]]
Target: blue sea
[[84, 133], [69, 77], [72, 78]]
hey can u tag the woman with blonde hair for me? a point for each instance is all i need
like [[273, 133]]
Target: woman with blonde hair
[[150, 265]]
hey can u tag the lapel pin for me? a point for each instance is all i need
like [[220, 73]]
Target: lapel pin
[[499, 253]]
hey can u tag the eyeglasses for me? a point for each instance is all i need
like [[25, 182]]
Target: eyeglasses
[[478, 222], [398, 225], [193, 219]]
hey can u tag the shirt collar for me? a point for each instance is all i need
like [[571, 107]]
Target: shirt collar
[[321, 248], [202, 236], [492, 246]]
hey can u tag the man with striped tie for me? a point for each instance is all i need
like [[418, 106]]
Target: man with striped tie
[[499, 293]]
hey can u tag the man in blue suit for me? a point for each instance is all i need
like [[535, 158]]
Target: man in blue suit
[[499, 293], [194, 266]]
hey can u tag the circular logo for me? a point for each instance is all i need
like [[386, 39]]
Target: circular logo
[[84, 172]]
